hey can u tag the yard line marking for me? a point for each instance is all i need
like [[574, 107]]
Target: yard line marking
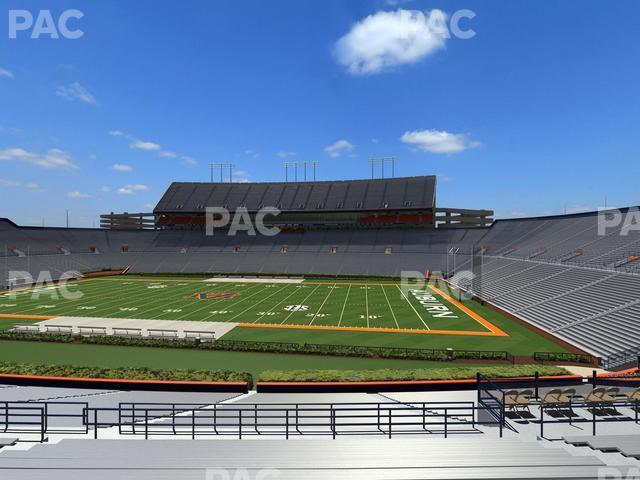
[[366, 304], [301, 303], [325, 301], [74, 302], [485, 323], [344, 306], [414, 308], [265, 298], [206, 303], [142, 309], [389, 303], [279, 303]]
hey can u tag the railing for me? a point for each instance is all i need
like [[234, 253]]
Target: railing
[[569, 416], [35, 417], [240, 420], [39, 419], [490, 399]]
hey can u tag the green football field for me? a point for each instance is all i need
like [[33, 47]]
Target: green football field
[[325, 304], [340, 303]]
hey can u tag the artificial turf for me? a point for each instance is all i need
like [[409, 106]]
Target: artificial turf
[[347, 303]]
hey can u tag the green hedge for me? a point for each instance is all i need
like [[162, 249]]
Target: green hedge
[[416, 374], [556, 357], [267, 347], [125, 373]]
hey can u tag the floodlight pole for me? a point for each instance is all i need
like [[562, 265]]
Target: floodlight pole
[[315, 164], [304, 164], [286, 172]]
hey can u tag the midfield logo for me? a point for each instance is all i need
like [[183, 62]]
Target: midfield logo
[[215, 295]]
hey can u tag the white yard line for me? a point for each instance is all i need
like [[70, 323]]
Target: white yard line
[[279, 303], [366, 303], [389, 303], [43, 294], [325, 301], [344, 306], [405, 297], [301, 303], [206, 303], [252, 306]]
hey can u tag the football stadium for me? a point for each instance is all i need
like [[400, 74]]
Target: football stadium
[[422, 304]]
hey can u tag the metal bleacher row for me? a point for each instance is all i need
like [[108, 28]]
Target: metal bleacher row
[[555, 272]]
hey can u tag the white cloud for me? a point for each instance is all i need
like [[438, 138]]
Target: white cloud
[[92, 156], [121, 167], [241, 176], [31, 186], [578, 209], [9, 183], [388, 39], [339, 148], [395, 3], [105, 189], [251, 153], [132, 189], [137, 144], [75, 91], [77, 194], [443, 178], [142, 145], [439, 141], [53, 159], [6, 73], [284, 154]]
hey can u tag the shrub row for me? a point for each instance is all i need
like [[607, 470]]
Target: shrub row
[[562, 357], [277, 376], [125, 373], [267, 347], [406, 375]]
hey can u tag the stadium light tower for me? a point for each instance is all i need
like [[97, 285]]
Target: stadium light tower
[[222, 167], [374, 161]]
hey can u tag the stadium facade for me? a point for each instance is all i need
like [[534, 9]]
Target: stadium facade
[[559, 273]]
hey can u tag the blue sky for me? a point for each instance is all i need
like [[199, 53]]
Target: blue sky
[[537, 113]]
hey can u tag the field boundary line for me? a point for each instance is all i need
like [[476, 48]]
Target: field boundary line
[[366, 329], [478, 318], [18, 316]]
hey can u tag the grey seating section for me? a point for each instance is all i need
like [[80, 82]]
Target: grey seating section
[[391, 193], [627, 445], [343, 458], [557, 273]]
